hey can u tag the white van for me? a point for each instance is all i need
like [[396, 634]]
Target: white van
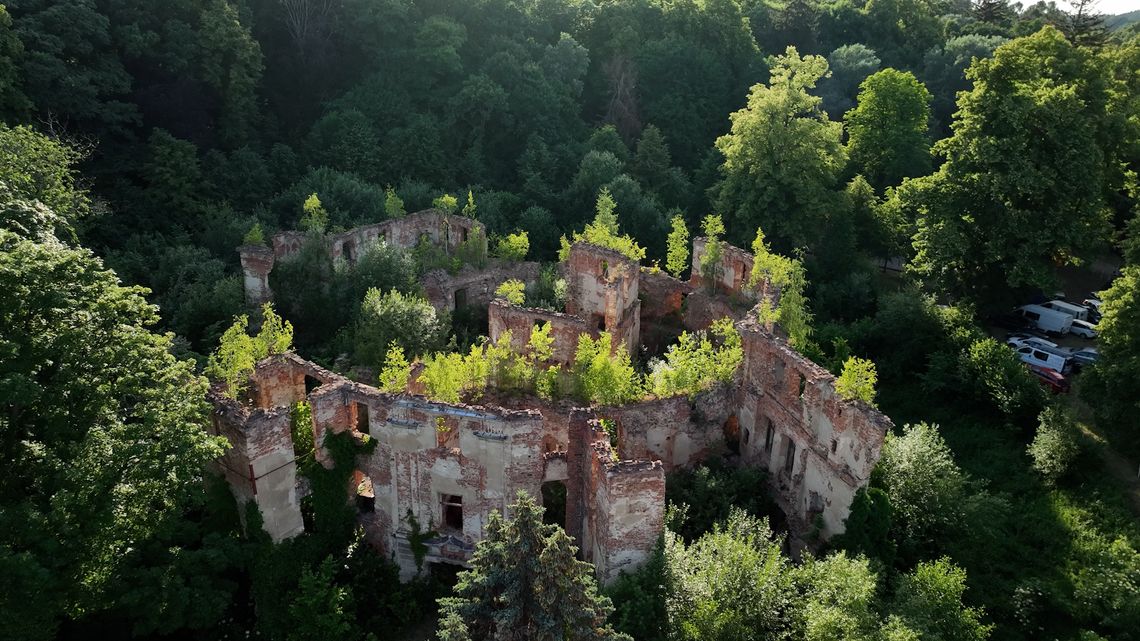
[[1076, 311], [1045, 319], [1049, 360]]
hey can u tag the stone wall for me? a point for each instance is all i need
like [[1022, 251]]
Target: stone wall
[[780, 413], [662, 309], [731, 273], [256, 263], [260, 465], [602, 288], [520, 321], [675, 431]]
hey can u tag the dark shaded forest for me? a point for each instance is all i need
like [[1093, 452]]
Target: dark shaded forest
[[988, 149]]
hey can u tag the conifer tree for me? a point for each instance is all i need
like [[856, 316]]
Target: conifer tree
[[524, 583]]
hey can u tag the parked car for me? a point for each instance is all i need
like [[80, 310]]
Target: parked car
[[1055, 381], [1020, 339], [1086, 356], [1047, 320], [1041, 358], [1083, 328], [1076, 311]]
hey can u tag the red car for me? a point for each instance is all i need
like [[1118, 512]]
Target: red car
[[1054, 380]]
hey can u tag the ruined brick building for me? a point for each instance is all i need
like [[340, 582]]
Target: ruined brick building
[[447, 466]]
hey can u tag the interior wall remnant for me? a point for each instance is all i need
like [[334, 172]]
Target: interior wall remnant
[[602, 285], [445, 231]]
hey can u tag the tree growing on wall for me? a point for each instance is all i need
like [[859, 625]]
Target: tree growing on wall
[[602, 375], [237, 353], [857, 381], [513, 290], [677, 253], [393, 204], [525, 583], [787, 277], [513, 246], [713, 228], [604, 232], [315, 218]]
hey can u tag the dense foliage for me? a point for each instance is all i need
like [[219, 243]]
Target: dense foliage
[[986, 146]]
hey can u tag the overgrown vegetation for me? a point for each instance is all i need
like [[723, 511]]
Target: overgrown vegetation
[[232, 363], [160, 136]]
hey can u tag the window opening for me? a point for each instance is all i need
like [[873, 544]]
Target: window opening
[[790, 458], [452, 505], [362, 419]]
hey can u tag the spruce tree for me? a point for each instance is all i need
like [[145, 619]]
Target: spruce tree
[[524, 583]]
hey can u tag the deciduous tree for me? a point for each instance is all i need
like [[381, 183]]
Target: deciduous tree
[[1022, 187], [783, 157], [888, 135]]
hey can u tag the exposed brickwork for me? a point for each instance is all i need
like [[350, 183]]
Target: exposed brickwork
[[473, 286], [477, 457], [256, 263], [520, 321], [602, 289], [822, 448], [432, 226]]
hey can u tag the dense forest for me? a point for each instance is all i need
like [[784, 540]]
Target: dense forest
[[926, 165]]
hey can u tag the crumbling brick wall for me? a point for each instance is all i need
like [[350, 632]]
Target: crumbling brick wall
[[662, 309], [432, 226], [474, 286], [676, 431], [260, 465], [817, 447], [614, 509], [780, 413], [256, 263], [602, 289], [520, 321], [730, 274]]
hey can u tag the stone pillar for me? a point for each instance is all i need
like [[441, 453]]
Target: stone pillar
[[256, 263]]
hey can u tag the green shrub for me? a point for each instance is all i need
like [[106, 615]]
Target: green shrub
[[857, 381], [513, 290], [237, 353], [694, 363], [513, 246], [1055, 447]]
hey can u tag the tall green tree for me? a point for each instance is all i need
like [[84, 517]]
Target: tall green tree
[[732, 583], [783, 157], [103, 431], [888, 137], [525, 583], [1117, 398], [1022, 186], [928, 602], [35, 167]]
